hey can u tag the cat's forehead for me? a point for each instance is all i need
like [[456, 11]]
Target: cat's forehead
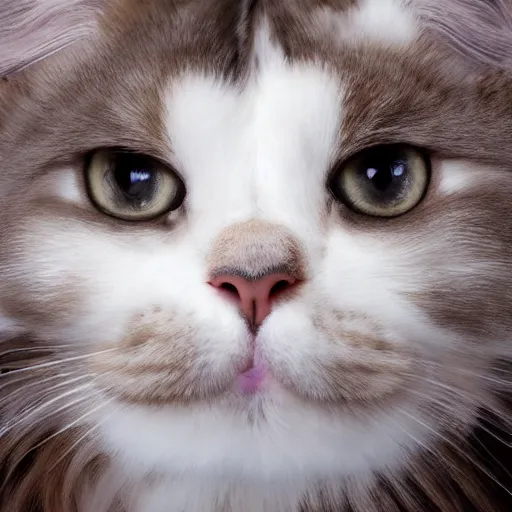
[[222, 36], [396, 81]]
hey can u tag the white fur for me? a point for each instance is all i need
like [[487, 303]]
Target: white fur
[[205, 442], [460, 175], [68, 187], [386, 22], [8, 327]]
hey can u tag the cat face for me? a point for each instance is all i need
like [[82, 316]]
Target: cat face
[[257, 254]]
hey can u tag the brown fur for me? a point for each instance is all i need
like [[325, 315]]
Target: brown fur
[[258, 248]]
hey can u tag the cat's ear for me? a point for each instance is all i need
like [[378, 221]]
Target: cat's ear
[[30, 30], [480, 30]]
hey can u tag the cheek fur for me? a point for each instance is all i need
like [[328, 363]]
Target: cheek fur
[[336, 357], [468, 280], [170, 357]]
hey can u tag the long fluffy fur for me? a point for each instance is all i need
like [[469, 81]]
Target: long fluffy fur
[[480, 30], [51, 459], [31, 30]]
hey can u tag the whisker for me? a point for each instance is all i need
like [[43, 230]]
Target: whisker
[[55, 363], [493, 457], [470, 400], [15, 465], [485, 377], [84, 436], [430, 449], [507, 444], [42, 381], [414, 438], [480, 426], [437, 456], [47, 348], [69, 405], [70, 425], [431, 381], [30, 377], [45, 405], [457, 449]]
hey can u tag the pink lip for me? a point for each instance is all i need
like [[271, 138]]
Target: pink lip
[[251, 380]]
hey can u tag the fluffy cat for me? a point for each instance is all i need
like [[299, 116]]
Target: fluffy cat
[[255, 256]]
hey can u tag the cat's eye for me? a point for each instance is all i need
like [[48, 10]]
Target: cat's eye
[[132, 186], [383, 181]]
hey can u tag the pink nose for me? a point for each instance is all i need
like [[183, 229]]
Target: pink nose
[[254, 297]]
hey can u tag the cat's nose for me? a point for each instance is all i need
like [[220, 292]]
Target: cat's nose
[[254, 296], [256, 263]]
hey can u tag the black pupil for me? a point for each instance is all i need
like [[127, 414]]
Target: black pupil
[[385, 176], [135, 179], [382, 178]]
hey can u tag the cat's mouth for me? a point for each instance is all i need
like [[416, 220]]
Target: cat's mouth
[[150, 373], [253, 376]]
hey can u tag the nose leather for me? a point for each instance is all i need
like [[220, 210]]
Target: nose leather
[[254, 296], [253, 263]]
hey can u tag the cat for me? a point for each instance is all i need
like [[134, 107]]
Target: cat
[[255, 256]]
